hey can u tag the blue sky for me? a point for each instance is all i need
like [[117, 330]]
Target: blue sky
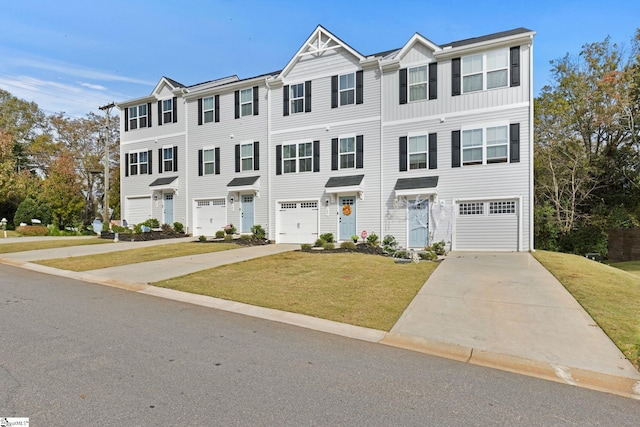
[[72, 56]]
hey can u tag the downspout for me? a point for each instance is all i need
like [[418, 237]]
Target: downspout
[[186, 164], [531, 147], [382, 214], [266, 82]]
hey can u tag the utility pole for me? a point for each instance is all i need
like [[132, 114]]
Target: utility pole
[[106, 108]]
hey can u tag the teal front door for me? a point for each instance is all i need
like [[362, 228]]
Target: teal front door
[[418, 218], [168, 208], [247, 214], [347, 217]]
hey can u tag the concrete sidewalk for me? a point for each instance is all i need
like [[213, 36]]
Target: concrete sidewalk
[[507, 310]]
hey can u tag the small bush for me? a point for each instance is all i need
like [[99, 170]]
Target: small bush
[[178, 227], [355, 238], [245, 237], [166, 229], [328, 245], [428, 255], [32, 230], [258, 232], [220, 234], [348, 245], [327, 237], [319, 243], [202, 238], [228, 238], [373, 239], [305, 247], [400, 254], [152, 223], [438, 248], [229, 229], [119, 229], [389, 244]]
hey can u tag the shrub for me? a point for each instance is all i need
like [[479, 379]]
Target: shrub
[[119, 229], [202, 238], [389, 244], [152, 223], [228, 238], [327, 237], [319, 242], [32, 230], [328, 245], [220, 234], [373, 239], [348, 245], [166, 229], [400, 254], [305, 247], [229, 229], [437, 248], [258, 232], [31, 209], [245, 237], [178, 227], [428, 255]]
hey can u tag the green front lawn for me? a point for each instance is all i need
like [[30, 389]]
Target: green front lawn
[[6, 248], [632, 267]]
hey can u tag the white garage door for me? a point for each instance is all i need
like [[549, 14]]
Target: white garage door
[[209, 216], [487, 226], [298, 222], [138, 209]]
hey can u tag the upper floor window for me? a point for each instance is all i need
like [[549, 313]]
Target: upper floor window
[[347, 88], [138, 163], [485, 70], [207, 109], [418, 149], [167, 159], [208, 161], [418, 78], [246, 157], [297, 157], [138, 117], [347, 152], [246, 102], [482, 146], [297, 98], [167, 111]]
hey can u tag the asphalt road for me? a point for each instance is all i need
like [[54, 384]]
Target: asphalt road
[[78, 354]]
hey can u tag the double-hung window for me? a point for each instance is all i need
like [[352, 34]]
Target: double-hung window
[[297, 157], [167, 110], [487, 145], [207, 109], [208, 161], [347, 152], [246, 156], [485, 70], [133, 163], [143, 162], [138, 117], [418, 83], [167, 159], [347, 88], [418, 149], [297, 98], [246, 102]]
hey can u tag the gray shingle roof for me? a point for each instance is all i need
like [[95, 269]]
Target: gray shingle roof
[[420, 182], [245, 180], [163, 181], [344, 181]]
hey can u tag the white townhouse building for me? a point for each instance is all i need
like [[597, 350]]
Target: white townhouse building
[[426, 142]]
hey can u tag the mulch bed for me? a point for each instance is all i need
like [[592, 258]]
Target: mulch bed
[[142, 237], [362, 248]]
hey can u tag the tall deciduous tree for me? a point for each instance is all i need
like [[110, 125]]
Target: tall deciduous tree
[[62, 190]]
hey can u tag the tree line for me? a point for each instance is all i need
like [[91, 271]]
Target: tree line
[[52, 166]]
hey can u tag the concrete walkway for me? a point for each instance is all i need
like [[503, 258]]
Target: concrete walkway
[[501, 310]]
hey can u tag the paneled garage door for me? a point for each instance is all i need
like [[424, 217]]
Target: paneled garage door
[[209, 216], [298, 222], [487, 225], [138, 209]]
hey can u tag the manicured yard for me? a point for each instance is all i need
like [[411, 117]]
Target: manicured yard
[[6, 248], [132, 256], [359, 289], [611, 296], [630, 266]]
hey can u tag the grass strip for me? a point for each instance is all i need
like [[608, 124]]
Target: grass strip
[[6, 248]]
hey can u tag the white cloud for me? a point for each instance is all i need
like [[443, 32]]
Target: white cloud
[[92, 86]]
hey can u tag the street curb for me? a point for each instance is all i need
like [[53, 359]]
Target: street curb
[[621, 386]]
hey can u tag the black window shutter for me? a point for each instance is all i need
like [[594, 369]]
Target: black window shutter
[[316, 156], [200, 163], [285, 100], [216, 157], [126, 119], [455, 77], [433, 151], [126, 165], [359, 151], [278, 159], [175, 109], [514, 139], [175, 158], [256, 100], [359, 87], [307, 96], [159, 113], [216, 108], [514, 53], [160, 160], [403, 86], [403, 154], [237, 157], [334, 154], [237, 103], [455, 149], [256, 156], [199, 111], [148, 114], [334, 91], [149, 161], [433, 80]]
